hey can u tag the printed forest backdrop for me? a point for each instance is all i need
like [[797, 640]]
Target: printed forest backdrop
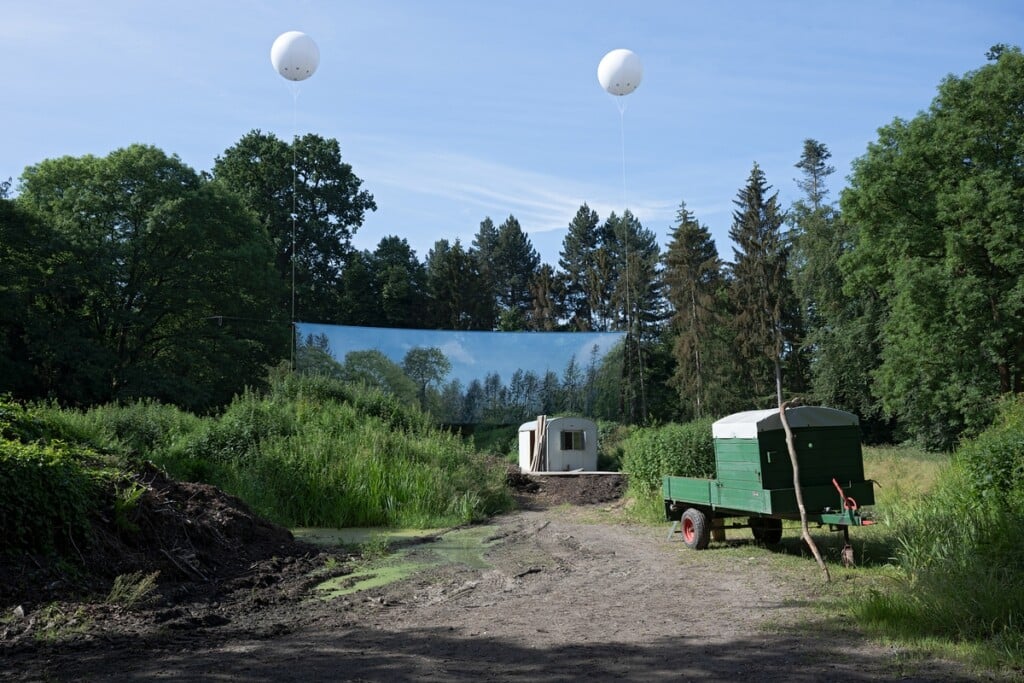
[[469, 377]]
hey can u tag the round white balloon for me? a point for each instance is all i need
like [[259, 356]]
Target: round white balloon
[[620, 72], [295, 56]]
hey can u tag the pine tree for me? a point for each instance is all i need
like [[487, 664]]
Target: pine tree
[[578, 263], [761, 292], [693, 274], [456, 299], [514, 263]]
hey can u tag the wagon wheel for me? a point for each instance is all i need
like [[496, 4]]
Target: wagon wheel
[[767, 530], [695, 529]]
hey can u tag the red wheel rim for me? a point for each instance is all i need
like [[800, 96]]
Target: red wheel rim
[[688, 531]]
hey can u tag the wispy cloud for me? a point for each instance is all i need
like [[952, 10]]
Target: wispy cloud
[[457, 352], [540, 201]]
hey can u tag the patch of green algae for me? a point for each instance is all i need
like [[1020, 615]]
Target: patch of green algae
[[461, 546]]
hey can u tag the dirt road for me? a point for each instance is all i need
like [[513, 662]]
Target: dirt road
[[567, 593]]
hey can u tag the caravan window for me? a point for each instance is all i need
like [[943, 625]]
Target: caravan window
[[572, 440]]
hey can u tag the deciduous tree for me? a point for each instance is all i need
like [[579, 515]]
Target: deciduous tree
[[164, 282], [427, 367], [310, 202], [939, 206]]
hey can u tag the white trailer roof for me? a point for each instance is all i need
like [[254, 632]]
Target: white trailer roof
[[746, 425]]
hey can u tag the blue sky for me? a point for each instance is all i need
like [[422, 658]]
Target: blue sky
[[455, 110], [474, 355]]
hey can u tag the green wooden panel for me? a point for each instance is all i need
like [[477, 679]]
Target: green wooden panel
[[818, 498], [737, 450], [822, 453], [738, 463], [740, 474], [744, 500], [687, 489]]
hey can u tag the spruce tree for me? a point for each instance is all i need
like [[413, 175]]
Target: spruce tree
[[636, 301], [837, 345], [456, 299], [693, 274], [400, 283], [514, 263], [578, 263], [761, 292], [546, 292], [485, 244]]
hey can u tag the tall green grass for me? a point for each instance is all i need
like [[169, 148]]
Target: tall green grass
[[317, 452], [311, 451], [901, 474], [959, 553], [338, 469]]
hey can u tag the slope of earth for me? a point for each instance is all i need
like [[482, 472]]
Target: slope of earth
[[568, 590]]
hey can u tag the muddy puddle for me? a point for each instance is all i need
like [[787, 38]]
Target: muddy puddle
[[407, 551]]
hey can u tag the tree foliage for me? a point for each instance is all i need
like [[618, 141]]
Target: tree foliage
[[938, 203], [761, 292], [310, 203], [513, 264], [457, 294], [693, 275], [578, 261], [840, 324], [426, 367], [155, 282]]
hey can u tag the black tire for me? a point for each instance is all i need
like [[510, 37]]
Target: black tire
[[695, 529], [766, 530]]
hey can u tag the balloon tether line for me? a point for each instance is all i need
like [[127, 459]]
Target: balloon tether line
[[621, 104], [295, 140]]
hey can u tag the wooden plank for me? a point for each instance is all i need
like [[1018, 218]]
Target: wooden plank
[[687, 489], [744, 500]]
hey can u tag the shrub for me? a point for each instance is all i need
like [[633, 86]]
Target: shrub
[[685, 450], [132, 431], [46, 497], [994, 461]]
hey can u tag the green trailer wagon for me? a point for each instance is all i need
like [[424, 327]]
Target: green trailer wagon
[[754, 483]]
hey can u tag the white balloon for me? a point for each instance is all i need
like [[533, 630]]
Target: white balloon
[[295, 56], [620, 72]]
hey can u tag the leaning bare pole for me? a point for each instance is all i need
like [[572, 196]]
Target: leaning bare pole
[[804, 531]]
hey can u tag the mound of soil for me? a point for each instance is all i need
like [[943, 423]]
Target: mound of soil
[[192, 544], [538, 491]]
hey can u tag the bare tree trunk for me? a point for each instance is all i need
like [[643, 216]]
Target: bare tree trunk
[[778, 380], [804, 531]]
